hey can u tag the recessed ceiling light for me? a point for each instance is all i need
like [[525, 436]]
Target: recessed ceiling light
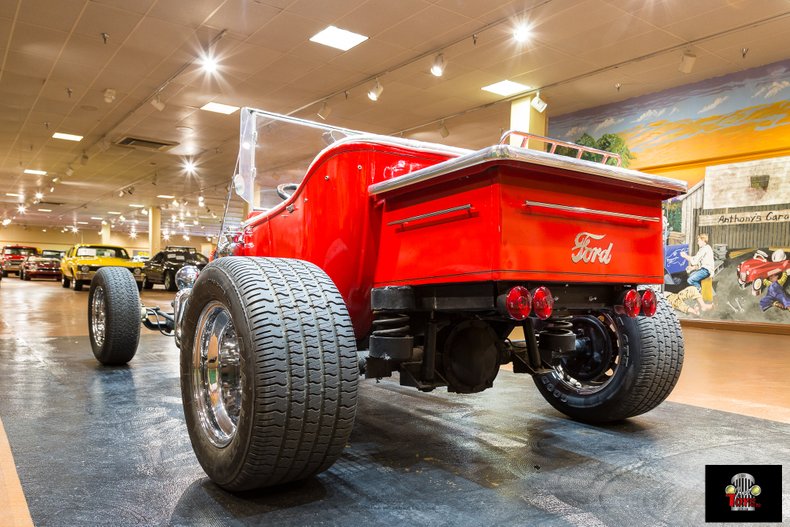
[[219, 108], [338, 38], [208, 63], [165, 196], [67, 137], [136, 205], [113, 212], [12, 194], [96, 218], [82, 223], [506, 88], [35, 172], [45, 210]]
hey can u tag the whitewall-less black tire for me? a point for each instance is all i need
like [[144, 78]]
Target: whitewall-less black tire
[[114, 316], [268, 371], [644, 366]]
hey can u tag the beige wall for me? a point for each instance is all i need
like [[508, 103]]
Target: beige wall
[[55, 239]]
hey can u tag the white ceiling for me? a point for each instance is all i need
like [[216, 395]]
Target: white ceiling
[[56, 67]]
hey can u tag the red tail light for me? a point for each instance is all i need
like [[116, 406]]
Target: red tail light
[[649, 302], [542, 302], [631, 303], [518, 303]]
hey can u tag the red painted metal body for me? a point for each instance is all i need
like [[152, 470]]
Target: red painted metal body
[[484, 223]]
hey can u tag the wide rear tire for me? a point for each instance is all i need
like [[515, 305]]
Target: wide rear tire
[[646, 360], [114, 316], [275, 337]]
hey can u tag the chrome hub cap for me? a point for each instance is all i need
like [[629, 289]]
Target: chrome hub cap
[[216, 374], [98, 316]]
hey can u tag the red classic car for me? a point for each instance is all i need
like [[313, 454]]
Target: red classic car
[[396, 257], [40, 267], [754, 271], [12, 257]]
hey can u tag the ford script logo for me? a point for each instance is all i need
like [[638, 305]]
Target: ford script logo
[[583, 252]]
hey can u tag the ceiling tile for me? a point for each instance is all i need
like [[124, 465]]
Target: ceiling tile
[[37, 41], [374, 16], [98, 19], [285, 32], [52, 14], [193, 15], [324, 12], [423, 29], [242, 17]]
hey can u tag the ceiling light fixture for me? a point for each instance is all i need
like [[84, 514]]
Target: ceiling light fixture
[[538, 103], [521, 33], [157, 103], [82, 223], [115, 212], [219, 108], [325, 110], [45, 210], [687, 61], [39, 195], [35, 172], [375, 92], [189, 166], [75, 229], [21, 209], [337, 38], [67, 137], [96, 218], [145, 212], [437, 69], [136, 205], [506, 88], [6, 222], [165, 196], [109, 95], [209, 64], [13, 194], [121, 193], [69, 171], [443, 131]]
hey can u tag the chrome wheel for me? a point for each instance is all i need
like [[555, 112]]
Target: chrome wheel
[[596, 360], [98, 316], [216, 374]]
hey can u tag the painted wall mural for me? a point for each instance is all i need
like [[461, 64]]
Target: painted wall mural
[[741, 113], [727, 241]]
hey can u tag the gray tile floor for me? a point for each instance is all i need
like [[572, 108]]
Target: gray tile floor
[[108, 446]]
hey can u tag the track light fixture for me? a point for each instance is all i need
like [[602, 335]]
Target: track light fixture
[[538, 103], [687, 61], [443, 131], [157, 103], [375, 92], [325, 110], [437, 69]]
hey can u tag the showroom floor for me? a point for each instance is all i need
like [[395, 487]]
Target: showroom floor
[[108, 446]]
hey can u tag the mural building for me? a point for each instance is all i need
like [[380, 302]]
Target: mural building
[[727, 241]]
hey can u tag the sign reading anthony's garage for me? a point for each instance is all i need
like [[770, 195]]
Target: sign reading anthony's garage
[[743, 218]]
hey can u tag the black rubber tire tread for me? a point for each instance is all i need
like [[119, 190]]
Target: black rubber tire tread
[[25, 276], [147, 284], [78, 285], [299, 371], [122, 307], [655, 358], [172, 285], [65, 282]]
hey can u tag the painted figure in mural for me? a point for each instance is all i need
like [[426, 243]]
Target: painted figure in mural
[[701, 265], [680, 301], [775, 296]]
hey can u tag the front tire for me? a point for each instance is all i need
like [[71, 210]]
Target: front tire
[[638, 371], [277, 334], [113, 316], [147, 284], [65, 282], [169, 282], [78, 285], [25, 276]]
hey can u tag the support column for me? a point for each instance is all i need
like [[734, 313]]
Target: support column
[[106, 233], [525, 118], [154, 230]]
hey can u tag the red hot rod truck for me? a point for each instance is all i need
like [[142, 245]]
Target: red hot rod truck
[[396, 256]]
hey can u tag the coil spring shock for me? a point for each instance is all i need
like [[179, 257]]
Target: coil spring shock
[[557, 338], [391, 324]]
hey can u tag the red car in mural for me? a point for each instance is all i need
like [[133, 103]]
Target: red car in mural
[[395, 257], [754, 271]]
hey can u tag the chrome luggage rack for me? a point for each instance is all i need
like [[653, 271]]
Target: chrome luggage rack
[[554, 143]]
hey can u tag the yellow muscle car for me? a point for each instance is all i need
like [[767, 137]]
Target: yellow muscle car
[[82, 261]]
